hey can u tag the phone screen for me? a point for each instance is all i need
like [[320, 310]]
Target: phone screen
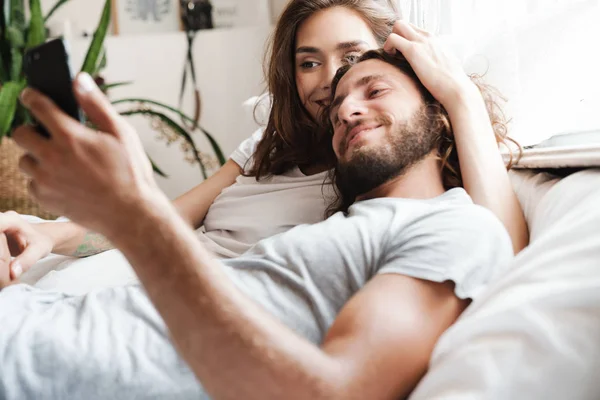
[[47, 69]]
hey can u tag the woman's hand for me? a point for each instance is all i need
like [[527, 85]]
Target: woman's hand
[[22, 241], [437, 68], [483, 171], [5, 279], [92, 177]]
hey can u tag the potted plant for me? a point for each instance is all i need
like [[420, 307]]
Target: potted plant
[[17, 35]]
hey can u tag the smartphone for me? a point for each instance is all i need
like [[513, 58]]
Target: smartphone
[[47, 69]]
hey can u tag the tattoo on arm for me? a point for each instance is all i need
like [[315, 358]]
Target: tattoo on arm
[[93, 243]]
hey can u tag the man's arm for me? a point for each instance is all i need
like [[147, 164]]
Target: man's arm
[[378, 347], [72, 240]]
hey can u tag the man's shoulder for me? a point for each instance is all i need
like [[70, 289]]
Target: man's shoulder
[[460, 221], [452, 216]]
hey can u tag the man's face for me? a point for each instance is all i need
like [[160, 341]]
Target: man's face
[[380, 128]]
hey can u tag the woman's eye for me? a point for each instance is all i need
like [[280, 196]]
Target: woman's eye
[[309, 64], [351, 58]]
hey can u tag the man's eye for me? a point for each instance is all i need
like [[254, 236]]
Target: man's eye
[[375, 92], [309, 64]]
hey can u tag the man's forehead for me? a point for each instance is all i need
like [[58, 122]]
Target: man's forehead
[[369, 69], [361, 74]]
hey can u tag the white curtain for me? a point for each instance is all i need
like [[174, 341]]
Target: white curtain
[[456, 16], [542, 54]]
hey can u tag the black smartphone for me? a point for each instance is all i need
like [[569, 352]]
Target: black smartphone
[[47, 69]]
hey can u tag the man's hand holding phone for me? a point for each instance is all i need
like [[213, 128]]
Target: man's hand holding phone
[[92, 177], [47, 70]]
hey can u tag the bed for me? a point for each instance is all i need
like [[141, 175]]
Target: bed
[[534, 334]]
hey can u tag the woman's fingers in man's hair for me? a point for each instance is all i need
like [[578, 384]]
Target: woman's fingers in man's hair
[[399, 43]]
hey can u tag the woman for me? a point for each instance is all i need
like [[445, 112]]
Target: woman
[[274, 180]]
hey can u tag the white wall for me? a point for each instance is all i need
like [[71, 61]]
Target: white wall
[[277, 7], [229, 70]]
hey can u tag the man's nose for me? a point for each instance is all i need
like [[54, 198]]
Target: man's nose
[[350, 110]]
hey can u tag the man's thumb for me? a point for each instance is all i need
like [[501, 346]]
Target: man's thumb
[[95, 104]]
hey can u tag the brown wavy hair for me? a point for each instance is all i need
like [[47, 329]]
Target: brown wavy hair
[[440, 122], [292, 137]]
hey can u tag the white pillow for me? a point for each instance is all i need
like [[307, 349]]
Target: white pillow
[[535, 333], [531, 187]]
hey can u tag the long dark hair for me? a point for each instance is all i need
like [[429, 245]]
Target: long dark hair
[[439, 122], [292, 137]]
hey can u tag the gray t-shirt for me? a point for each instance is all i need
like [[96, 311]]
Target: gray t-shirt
[[305, 275], [112, 343]]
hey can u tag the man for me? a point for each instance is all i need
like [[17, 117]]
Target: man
[[347, 308]]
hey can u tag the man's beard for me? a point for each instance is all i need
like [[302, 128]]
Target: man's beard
[[367, 167]]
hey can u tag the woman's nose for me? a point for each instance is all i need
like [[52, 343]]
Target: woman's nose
[[328, 74]]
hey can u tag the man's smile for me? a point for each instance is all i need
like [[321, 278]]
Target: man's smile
[[359, 131]]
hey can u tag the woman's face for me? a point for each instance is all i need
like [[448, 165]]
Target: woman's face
[[325, 42]]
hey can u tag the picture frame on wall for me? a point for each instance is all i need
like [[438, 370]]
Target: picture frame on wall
[[145, 16], [240, 13]]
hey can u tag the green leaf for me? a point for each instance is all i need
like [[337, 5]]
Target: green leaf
[[16, 64], [4, 46], [214, 144], [5, 13], [54, 8], [15, 36], [156, 169], [101, 65], [9, 97], [22, 116], [177, 128], [108, 86], [37, 30], [17, 14], [3, 72], [91, 58]]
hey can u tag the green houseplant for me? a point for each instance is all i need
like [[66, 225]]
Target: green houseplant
[[17, 35]]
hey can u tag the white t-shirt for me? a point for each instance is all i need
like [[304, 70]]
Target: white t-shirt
[[249, 211]]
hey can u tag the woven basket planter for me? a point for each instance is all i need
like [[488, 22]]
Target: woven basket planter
[[13, 184]]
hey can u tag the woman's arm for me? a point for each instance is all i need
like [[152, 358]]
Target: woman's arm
[[72, 240], [483, 172], [193, 205], [30, 243]]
